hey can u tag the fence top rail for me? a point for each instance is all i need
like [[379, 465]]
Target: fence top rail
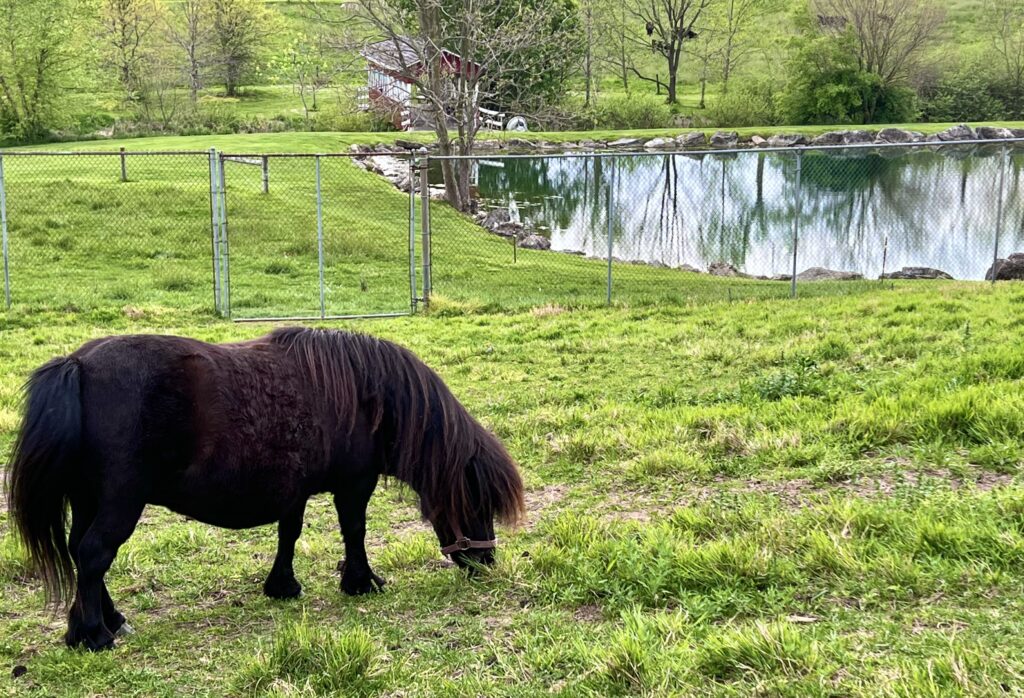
[[931, 145], [343, 156], [107, 153]]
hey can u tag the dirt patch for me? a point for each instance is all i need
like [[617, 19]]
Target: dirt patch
[[588, 614], [539, 501], [548, 310]]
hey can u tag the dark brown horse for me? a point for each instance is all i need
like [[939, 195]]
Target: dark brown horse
[[241, 435]]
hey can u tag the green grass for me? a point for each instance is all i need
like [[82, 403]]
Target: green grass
[[807, 497], [697, 524]]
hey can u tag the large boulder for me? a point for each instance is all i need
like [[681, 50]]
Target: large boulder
[[830, 138], [693, 139], [592, 145], [787, 140], [1010, 269], [495, 218], [991, 133], [534, 242], [724, 269], [659, 144], [917, 273], [858, 137], [520, 143], [759, 141], [822, 274], [962, 132], [624, 143], [894, 135], [725, 139]]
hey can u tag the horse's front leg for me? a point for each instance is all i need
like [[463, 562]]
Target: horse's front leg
[[281, 582], [357, 577]]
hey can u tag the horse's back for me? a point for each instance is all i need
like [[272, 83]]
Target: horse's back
[[224, 433]]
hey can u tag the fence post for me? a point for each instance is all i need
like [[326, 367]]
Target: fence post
[[412, 233], [3, 231], [320, 239], [999, 214], [796, 218], [225, 253], [425, 225], [610, 191], [266, 175], [215, 231]]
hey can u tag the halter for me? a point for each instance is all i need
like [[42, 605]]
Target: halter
[[462, 543]]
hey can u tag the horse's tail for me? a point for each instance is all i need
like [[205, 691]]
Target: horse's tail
[[38, 481]]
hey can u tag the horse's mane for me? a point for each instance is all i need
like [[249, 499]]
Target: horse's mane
[[431, 442]]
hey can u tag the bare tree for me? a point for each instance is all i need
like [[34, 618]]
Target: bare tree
[[1009, 45], [458, 55], [125, 27], [617, 41], [668, 24], [706, 49], [737, 20], [889, 35], [241, 29], [189, 28]]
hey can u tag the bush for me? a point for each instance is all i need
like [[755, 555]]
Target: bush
[[627, 112], [749, 102], [966, 93]]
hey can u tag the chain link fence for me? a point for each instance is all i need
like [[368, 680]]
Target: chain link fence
[[270, 236], [635, 228]]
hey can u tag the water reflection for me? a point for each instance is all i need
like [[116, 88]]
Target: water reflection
[[861, 211]]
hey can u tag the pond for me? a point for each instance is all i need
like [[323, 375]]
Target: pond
[[862, 211]]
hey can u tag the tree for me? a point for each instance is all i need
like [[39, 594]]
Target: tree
[[668, 23], [617, 41], [888, 35], [1009, 46], [125, 30], [241, 29], [459, 55], [189, 28], [737, 20], [41, 51]]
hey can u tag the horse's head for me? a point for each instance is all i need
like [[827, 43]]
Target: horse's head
[[488, 489]]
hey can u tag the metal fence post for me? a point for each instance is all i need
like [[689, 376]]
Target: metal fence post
[[124, 166], [425, 225], [610, 191], [796, 218], [412, 233], [999, 214], [266, 174], [320, 239], [3, 231], [225, 252], [215, 231]]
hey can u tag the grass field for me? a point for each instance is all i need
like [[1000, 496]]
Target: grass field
[[774, 497], [758, 497]]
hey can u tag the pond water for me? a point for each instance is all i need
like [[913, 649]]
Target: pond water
[[863, 211]]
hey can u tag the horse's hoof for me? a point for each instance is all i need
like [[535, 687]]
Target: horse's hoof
[[95, 642], [125, 630], [371, 585], [289, 589]]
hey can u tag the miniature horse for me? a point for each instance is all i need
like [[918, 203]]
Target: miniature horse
[[241, 435]]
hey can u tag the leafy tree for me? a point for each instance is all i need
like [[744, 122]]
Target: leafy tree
[[126, 31], [42, 52], [241, 32]]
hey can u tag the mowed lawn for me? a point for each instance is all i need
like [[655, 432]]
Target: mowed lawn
[[772, 497]]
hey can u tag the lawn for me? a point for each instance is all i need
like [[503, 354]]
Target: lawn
[[772, 497]]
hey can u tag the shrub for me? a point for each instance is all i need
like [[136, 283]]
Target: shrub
[[749, 102]]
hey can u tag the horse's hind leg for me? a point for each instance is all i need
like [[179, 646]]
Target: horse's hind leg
[[281, 582], [83, 512], [111, 527], [357, 577]]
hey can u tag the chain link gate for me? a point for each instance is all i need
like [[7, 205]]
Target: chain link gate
[[310, 237]]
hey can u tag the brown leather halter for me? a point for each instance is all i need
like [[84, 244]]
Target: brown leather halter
[[462, 543]]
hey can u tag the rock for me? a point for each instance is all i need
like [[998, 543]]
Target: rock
[[1011, 269], [822, 274], [830, 138], [495, 218], [659, 144], [787, 140], [690, 268], [963, 132], [894, 135], [490, 145], [858, 137], [724, 269], [408, 145], [508, 229], [990, 133], [534, 242], [917, 273], [917, 136], [1017, 132], [693, 139], [780, 277], [520, 143], [592, 145], [758, 141], [624, 143], [725, 139], [360, 149]]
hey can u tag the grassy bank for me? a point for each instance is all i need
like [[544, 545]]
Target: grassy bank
[[770, 497]]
